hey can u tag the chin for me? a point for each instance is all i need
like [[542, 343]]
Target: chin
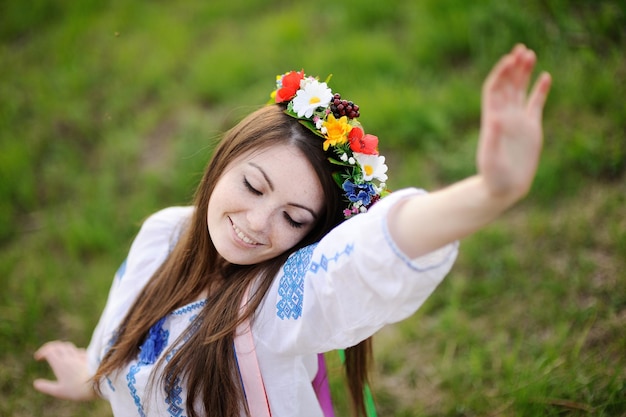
[[238, 259]]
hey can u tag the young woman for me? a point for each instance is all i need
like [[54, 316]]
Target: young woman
[[237, 294]]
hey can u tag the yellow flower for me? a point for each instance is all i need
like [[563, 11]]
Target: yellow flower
[[336, 131]]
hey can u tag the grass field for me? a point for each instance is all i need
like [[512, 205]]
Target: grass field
[[108, 113]]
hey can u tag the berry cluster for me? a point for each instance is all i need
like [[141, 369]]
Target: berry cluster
[[341, 107]]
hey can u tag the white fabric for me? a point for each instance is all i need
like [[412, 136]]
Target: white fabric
[[327, 296]]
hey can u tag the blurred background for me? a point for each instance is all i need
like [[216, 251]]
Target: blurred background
[[109, 112]]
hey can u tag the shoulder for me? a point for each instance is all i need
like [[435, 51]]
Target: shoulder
[[374, 221], [159, 233], [366, 237], [168, 217], [171, 219]]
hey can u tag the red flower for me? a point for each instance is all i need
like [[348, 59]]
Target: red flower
[[362, 143], [291, 84]]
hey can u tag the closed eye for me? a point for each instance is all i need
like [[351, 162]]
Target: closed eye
[[250, 187], [292, 222]]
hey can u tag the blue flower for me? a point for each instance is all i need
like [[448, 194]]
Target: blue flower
[[362, 193]]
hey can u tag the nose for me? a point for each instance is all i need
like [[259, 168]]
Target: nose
[[258, 218]]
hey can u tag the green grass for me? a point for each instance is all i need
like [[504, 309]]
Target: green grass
[[109, 113]]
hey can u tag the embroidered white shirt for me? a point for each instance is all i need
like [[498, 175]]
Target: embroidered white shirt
[[327, 296]]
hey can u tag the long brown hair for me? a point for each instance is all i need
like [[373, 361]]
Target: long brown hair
[[206, 361]]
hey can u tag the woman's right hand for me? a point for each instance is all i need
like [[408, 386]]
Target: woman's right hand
[[69, 365]]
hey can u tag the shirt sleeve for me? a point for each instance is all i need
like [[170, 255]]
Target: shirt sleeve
[[153, 243], [356, 280]]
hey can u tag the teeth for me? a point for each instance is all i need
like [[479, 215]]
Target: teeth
[[244, 237]]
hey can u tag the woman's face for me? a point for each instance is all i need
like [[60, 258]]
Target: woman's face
[[263, 204]]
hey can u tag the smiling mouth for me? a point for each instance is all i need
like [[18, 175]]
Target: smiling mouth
[[242, 236]]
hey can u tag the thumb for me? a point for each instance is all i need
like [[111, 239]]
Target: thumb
[[539, 94], [47, 387]]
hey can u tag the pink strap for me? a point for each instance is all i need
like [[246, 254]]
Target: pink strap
[[321, 387], [251, 377]]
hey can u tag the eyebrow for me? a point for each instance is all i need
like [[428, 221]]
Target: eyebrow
[[271, 185], [269, 182]]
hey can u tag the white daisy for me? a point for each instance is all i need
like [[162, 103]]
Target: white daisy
[[373, 166], [310, 96]]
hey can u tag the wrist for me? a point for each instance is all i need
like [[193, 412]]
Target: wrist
[[495, 198]]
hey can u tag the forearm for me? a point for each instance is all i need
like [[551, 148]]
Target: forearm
[[509, 147], [424, 223]]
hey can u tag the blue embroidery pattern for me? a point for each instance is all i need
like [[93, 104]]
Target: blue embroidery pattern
[[111, 386], [121, 270], [108, 347], [188, 308], [149, 351], [174, 399], [291, 288], [323, 263], [130, 377]]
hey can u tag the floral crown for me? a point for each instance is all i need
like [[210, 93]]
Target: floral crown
[[363, 171]]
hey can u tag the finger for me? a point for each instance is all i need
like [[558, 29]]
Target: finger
[[43, 351], [496, 90], [501, 69], [51, 348], [523, 70], [511, 75], [515, 80], [518, 47], [539, 94], [47, 387]]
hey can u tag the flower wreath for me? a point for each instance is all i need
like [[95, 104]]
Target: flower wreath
[[327, 115]]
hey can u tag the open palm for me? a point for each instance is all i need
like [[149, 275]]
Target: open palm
[[511, 135]]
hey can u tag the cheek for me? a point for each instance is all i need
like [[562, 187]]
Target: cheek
[[288, 237], [223, 196]]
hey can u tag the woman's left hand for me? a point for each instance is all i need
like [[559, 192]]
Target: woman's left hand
[[511, 134], [508, 155]]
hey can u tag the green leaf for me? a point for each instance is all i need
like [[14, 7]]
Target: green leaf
[[311, 126], [338, 179], [337, 162]]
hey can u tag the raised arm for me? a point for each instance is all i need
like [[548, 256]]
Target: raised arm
[[508, 153]]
